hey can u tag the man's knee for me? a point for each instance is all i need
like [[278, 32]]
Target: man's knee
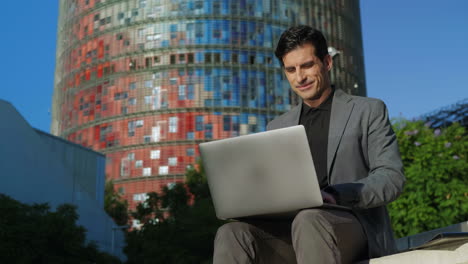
[[233, 230], [309, 217]]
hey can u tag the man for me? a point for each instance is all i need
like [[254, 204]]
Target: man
[[357, 163]]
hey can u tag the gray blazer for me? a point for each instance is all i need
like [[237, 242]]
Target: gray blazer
[[363, 161]]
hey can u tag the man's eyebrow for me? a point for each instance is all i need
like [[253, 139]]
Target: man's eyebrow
[[307, 63]]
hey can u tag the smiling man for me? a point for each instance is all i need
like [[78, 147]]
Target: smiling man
[[357, 163]]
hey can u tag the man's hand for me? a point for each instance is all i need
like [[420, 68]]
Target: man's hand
[[328, 198]]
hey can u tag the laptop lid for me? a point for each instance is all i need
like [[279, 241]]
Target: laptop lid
[[265, 173]]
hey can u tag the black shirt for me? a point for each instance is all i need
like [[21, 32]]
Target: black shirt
[[316, 122]]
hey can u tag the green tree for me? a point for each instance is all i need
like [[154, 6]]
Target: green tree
[[185, 234], [436, 190], [114, 205], [34, 234]]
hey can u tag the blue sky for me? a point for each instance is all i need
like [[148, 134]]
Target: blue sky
[[416, 55]]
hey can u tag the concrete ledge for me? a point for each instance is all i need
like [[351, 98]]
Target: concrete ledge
[[458, 256]]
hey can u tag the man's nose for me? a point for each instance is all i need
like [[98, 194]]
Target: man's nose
[[300, 77]]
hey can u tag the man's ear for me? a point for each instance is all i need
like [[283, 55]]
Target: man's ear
[[328, 62]]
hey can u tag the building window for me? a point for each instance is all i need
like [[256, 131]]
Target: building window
[[181, 92], [148, 99], [227, 123], [149, 84], [132, 101], [148, 62], [199, 27], [140, 197], [181, 58], [131, 128], [173, 124], [199, 123], [190, 152], [190, 58], [139, 123], [217, 58], [131, 156], [173, 59], [171, 185], [209, 131], [138, 164], [190, 135], [155, 154], [163, 170], [132, 86], [207, 57], [252, 59], [172, 161], [235, 58], [147, 171]]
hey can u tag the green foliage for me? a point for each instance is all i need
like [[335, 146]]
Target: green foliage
[[34, 234], [187, 232], [436, 170], [114, 205]]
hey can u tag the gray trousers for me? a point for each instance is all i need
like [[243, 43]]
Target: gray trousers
[[314, 236]]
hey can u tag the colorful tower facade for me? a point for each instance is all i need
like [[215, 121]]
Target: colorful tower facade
[[145, 81]]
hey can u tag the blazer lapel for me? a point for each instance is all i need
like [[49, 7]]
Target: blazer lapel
[[342, 107], [292, 119]]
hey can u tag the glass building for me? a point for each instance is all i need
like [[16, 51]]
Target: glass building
[[145, 81]]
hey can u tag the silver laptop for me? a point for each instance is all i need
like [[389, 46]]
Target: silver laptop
[[268, 174]]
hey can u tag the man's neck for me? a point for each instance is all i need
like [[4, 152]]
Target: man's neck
[[317, 102]]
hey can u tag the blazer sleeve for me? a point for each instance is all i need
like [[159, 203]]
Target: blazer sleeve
[[385, 179]]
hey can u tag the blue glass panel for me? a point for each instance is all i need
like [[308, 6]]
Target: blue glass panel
[[251, 34], [244, 118], [243, 31], [225, 7], [199, 122], [226, 36], [208, 102], [190, 135], [199, 57], [258, 8], [226, 123], [190, 92], [268, 40], [208, 83], [208, 131], [235, 123], [190, 151], [244, 57]]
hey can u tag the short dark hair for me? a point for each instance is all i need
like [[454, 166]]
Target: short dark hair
[[297, 36]]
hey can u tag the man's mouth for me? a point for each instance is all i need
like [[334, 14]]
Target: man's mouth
[[304, 86]]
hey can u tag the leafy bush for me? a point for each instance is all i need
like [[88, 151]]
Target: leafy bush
[[436, 170], [186, 233]]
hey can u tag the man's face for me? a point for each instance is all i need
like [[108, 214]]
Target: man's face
[[307, 74]]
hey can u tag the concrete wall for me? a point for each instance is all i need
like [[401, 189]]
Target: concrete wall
[[40, 168]]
